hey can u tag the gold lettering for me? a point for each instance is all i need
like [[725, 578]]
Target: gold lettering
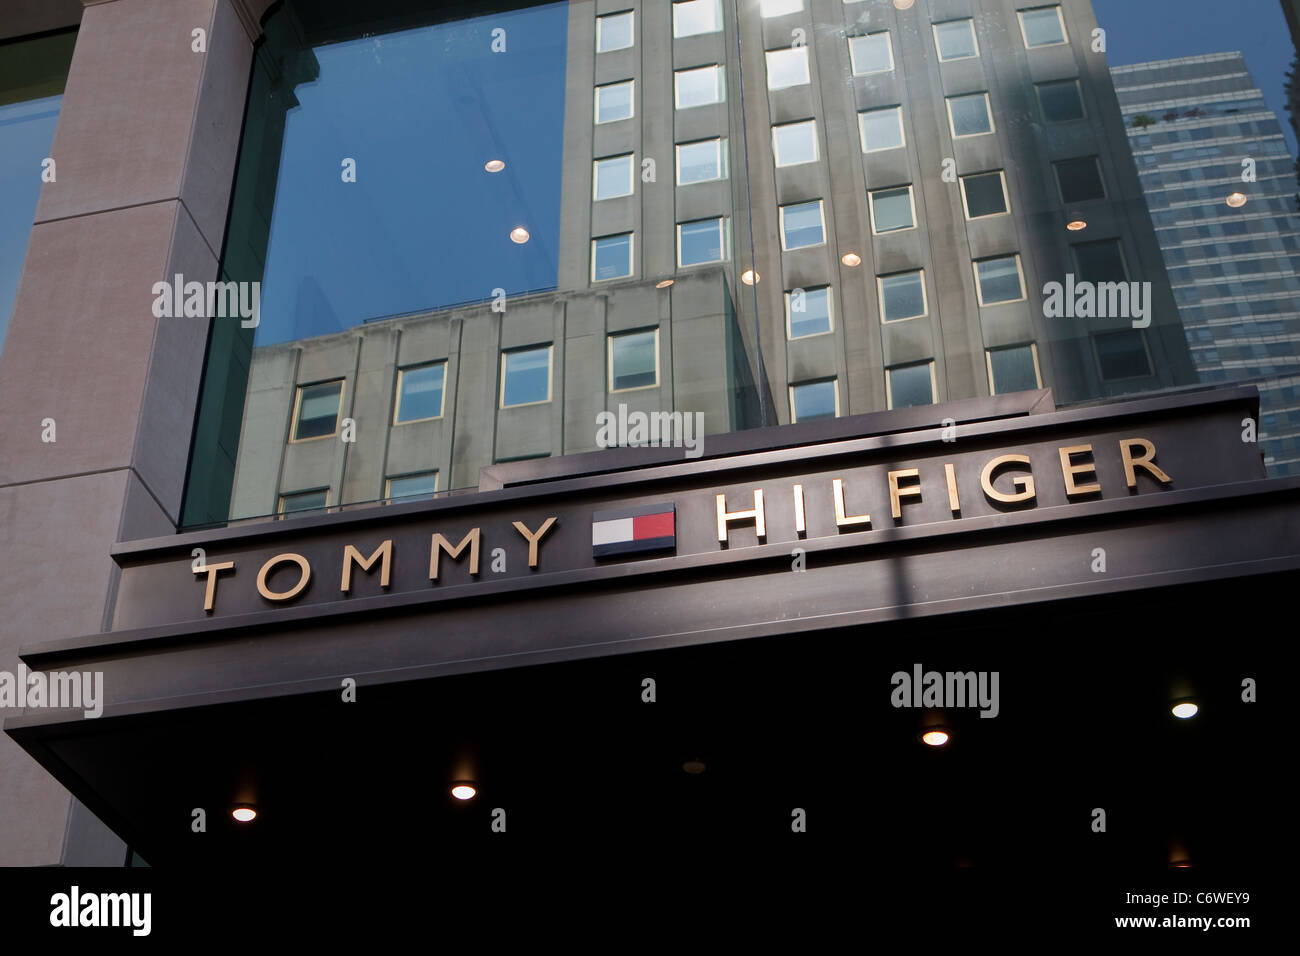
[[953, 502], [843, 520], [303, 567], [351, 554], [1084, 469], [1024, 482], [212, 569], [441, 544], [1147, 461], [725, 517], [533, 538], [799, 525], [895, 492]]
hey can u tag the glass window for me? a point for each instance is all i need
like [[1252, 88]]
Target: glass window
[[1079, 179], [881, 129], [955, 40], [614, 32], [693, 17], [999, 280], [526, 376], [910, 385], [1013, 369], [969, 115], [1122, 354], [872, 53], [780, 8], [304, 501], [1042, 26], [1061, 101], [801, 225], [612, 177], [701, 162], [701, 241], [611, 257], [419, 392], [1101, 261], [902, 296], [317, 413], [633, 360], [699, 87], [808, 312], [891, 209], [614, 102], [412, 486], [984, 194], [795, 143], [813, 400], [787, 67]]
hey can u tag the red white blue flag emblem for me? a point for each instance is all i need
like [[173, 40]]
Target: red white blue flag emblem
[[629, 530]]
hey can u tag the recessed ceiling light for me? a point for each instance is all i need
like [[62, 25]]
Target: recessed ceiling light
[[851, 259], [1236, 200], [464, 791], [664, 284], [935, 738], [494, 165], [903, 4], [1075, 225], [244, 814], [519, 234], [1185, 709], [694, 766], [749, 277]]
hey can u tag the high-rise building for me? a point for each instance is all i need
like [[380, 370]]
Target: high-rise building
[[1220, 182]]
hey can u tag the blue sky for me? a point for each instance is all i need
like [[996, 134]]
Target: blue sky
[[1140, 30]]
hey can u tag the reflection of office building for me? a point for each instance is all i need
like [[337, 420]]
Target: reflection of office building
[[1232, 247], [900, 184]]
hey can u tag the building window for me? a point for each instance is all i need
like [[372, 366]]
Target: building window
[[316, 410], [794, 143], [902, 296], [314, 500], [419, 393], [702, 241], [892, 209], [526, 376], [1079, 179], [701, 162], [984, 194], [614, 32], [699, 87], [1122, 354], [611, 257], [1042, 26], [881, 129], [693, 17], [1101, 261], [807, 312], [779, 8], [872, 53], [970, 115], [612, 177], [614, 102], [633, 360], [955, 40], [812, 400], [802, 225], [910, 385], [787, 67], [999, 280], [1013, 369], [1061, 101], [411, 486]]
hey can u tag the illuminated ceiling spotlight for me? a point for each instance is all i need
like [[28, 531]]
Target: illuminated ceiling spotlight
[[851, 259], [903, 4], [664, 284], [494, 165], [749, 277], [1184, 709], [694, 766], [1236, 200], [519, 234], [935, 737], [244, 813], [464, 790], [1076, 225]]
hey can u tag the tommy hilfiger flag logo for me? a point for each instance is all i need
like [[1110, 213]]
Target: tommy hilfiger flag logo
[[629, 530]]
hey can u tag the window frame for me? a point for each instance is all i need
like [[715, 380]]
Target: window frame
[[853, 60], [776, 149], [988, 362], [631, 177], [719, 152], [719, 85], [1078, 88], [835, 388], [785, 50], [1060, 20], [442, 393], [1146, 348], [724, 244], [889, 387], [862, 133], [718, 19], [830, 314], [821, 213], [279, 507], [631, 44], [550, 375], [871, 209], [988, 112], [1060, 192], [880, 296], [979, 289], [1123, 258], [597, 121], [294, 421], [389, 479], [773, 16], [974, 35], [1006, 198], [609, 360], [631, 256]]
